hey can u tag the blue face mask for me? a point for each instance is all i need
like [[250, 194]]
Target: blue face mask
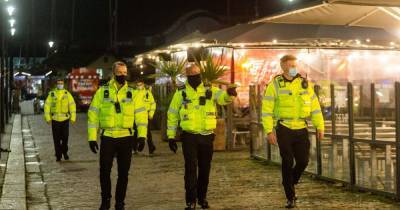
[[60, 87], [292, 72]]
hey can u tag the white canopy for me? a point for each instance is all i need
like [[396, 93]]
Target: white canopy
[[366, 13]]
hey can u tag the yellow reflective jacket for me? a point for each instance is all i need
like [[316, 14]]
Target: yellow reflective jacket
[[59, 106], [103, 114], [195, 118], [291, 104], [148, 100]]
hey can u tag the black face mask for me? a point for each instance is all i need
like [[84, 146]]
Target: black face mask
[[120, 79], [194, 80]]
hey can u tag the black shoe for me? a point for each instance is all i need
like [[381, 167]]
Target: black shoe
[[119, 206], [105, 204], [66, 157], [290, 204], [190, 206], [152, 149], [204, 204], [58, 159]]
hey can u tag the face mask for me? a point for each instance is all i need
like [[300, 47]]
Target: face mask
[[60, 87], [120, 79], [194, 80], [292, 72]]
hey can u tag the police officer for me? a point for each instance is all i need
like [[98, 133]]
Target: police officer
[[114, 110], [144, 92], [59, 109], [195, 106], [288, 102]]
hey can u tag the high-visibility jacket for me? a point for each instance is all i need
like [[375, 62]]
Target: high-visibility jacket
[[148, 100], [194, 117], [290, 103], [103, 114], [59, 106]]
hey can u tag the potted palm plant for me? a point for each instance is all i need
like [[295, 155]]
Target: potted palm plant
[[211, 71], [164, 94]]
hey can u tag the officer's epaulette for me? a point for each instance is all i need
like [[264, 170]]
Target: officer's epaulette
[[278, 76], [133, 86], [182, 87]]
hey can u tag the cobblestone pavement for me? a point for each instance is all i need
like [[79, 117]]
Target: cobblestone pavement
[[237, 182]]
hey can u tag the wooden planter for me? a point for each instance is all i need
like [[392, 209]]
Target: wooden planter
[[220, 136]]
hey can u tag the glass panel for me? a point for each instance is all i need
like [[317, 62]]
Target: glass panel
[[312, 165], [385, 111], [375, 166], [335, 158], [259, 141]]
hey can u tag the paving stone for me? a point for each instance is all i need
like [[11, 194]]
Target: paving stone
[[237, 182]]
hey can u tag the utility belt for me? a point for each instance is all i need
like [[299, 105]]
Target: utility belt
[[291, 119], [60, 114], [103, 130]]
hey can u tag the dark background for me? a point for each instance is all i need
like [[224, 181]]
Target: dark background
[[137, 19]]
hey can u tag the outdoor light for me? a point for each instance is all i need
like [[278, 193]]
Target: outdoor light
[[12, 22], [26, 74], [51, 43], [12, 31], [274, 41], [368, 40], [141, 66], [141, 72], [10, 10], [358, 41], [48, 73], [392, 43]]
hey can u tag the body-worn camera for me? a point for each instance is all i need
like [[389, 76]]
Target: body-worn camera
[[117, 107], [202, 100]]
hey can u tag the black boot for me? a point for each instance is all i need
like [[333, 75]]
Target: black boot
[[152, 148], [120, 206], [105, 204], [204, 204], [66, 157], [290, 204], [190, 206]]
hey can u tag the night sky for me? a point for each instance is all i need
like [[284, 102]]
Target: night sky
[[136, 19]]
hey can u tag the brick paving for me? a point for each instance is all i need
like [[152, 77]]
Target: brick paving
[[237, 182]]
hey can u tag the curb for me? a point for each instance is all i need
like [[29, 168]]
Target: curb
[[14, 188]]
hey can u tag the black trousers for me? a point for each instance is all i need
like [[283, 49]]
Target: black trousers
[[60, 137], [293, 144], [122, 149], [149, 140], [197, 151]]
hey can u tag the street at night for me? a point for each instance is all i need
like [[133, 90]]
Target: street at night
[[230, 104]]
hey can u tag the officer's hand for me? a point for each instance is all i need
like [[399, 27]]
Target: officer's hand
[[320, 135], [49, 122], [272, 138], [93, 146], [72, 122], [141, 143], [172, 145], [232, 91]]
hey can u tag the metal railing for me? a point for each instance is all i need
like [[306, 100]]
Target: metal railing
[[364, 154]]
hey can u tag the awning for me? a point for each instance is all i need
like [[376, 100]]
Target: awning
[[308, 34], [366, 13]]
